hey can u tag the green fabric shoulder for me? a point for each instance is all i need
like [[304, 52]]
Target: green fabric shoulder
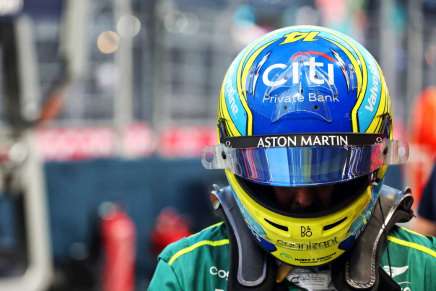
[[424, 244], [410, 259], [198, 262], [213, 235]]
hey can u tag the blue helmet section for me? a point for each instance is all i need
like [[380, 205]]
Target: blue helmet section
[[304, 79], [282, 98]]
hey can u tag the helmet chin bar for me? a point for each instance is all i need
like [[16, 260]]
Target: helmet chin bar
[[310, 241]]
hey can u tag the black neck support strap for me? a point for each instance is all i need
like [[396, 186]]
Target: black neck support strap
[[253, 269], [250, 267], [359, 269]]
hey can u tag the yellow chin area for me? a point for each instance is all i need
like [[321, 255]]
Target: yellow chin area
[[301, 241]]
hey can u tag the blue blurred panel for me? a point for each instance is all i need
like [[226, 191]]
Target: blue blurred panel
[[43, 8], [7, 231], [394, 177], [211, 4], [142, 187]]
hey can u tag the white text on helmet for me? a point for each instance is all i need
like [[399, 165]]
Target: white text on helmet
[[374, 90], [289, 141], [277, 141], [230, 91], [312, 97], [314, 67], [324, 140]]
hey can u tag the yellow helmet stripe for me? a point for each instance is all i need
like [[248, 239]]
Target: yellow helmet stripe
[[241, 93], [362, 89], [243, 96], [242, 74]]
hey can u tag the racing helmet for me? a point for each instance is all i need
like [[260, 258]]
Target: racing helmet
[[305, 107]]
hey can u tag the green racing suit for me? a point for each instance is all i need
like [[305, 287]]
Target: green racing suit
[[201, 261]]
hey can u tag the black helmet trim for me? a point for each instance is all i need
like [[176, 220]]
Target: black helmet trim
[[303, 140]]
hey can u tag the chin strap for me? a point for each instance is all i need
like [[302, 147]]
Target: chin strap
[[252, 269]]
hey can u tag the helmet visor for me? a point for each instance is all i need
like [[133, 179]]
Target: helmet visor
[[304, 165]]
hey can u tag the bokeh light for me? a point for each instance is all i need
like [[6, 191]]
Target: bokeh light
[[108, 42], [128, 26]]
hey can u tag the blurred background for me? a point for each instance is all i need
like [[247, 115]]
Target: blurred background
[[105, 106]]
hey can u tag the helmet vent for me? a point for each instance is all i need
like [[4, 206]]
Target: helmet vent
[[281, 227], [330, 226]]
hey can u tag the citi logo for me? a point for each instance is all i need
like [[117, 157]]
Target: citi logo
[[317, 74]]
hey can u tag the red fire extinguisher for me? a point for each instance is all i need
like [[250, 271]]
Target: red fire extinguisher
[[170, 226], [118, 236]]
